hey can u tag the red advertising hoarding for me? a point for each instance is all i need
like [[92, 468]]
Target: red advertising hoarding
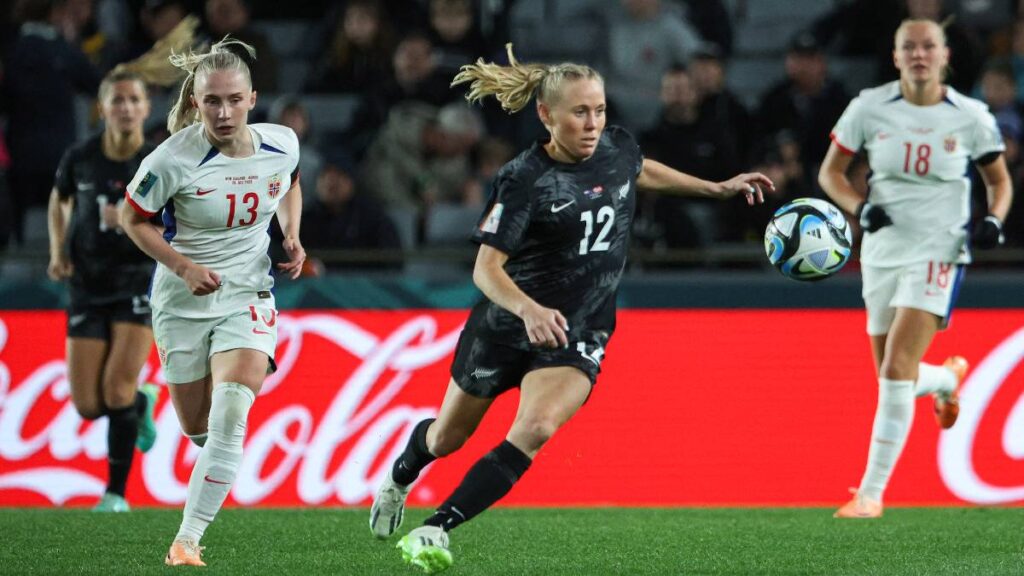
[[693, 407]]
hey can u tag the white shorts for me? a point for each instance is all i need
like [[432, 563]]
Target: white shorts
[[928, 286], [185, 345]]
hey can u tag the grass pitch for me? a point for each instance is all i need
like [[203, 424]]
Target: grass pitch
[[591, 542]]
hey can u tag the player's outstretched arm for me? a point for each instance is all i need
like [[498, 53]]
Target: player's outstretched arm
[[657, 177], [544, 326], [201, 280], [289, 214]]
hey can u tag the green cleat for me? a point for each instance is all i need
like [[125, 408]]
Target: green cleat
[[111, 502], [427, 548], [147, 425]]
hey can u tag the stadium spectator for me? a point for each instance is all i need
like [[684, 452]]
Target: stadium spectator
[[807, 102], [156, 19], [687, 141], [919, 135], [455, 34], [42, 76], [231, 17], [645, 38], [358, 55], [490, 156], [422, 155], [553, 248], [717, 102], [289, 111], [415, 78], [712, 20], [341, 217], [214, 315]]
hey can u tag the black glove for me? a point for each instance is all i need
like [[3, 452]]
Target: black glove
[[872, 218], [988, 233]]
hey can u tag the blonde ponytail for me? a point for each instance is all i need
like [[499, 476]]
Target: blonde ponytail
[[219, 57], [515, 84]]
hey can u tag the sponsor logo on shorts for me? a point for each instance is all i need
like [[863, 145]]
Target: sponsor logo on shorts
[[483, 373], [201, 192], [208, 479], [76, 319], [263, 294], [557, 209], [258, 331]]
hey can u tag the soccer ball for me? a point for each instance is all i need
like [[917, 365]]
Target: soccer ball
[[808, 239]]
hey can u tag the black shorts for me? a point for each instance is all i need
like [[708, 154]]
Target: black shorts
[[90, 320], [486, 369]]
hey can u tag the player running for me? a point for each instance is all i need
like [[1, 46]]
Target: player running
[[553, 244], [108, 323], [919, 135], [219, 182]]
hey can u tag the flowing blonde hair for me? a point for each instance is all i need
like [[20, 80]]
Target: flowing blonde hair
[[219, 57], [153, 68], [515, 84]]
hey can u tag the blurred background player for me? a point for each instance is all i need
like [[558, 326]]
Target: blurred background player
[[108, 328], [919, 136], [219, 181], [554, 238]]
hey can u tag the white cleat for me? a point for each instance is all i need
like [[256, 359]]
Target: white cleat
[[426, 547], [388, 508]]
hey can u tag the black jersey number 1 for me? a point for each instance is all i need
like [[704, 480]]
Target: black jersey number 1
[[605, 218], [251, 200]]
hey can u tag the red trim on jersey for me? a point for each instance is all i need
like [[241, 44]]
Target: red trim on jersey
[[839, 145], [139, 209]]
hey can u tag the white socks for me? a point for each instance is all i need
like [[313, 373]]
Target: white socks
[[932, 379], [893, 418], [217, 465]]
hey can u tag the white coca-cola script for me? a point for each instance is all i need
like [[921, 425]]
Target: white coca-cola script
[[305, 447]]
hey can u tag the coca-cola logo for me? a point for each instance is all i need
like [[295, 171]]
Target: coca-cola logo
[[296, 441], [959, 464]]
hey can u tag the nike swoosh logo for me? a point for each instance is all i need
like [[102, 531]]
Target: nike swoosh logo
[[557, 209], [201, 192], [208, 479], [258, 331]]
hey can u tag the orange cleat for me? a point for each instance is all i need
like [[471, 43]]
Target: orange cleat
[[185, 553], [947, 406], [859, 507]]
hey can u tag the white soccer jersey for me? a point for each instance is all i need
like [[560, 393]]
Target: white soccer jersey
[[919, 158], [217, 211]]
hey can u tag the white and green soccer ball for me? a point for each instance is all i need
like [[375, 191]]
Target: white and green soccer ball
[[808, 239]]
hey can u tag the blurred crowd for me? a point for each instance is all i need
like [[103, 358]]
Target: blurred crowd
[[392, 157]]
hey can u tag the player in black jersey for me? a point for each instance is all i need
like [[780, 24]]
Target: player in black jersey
[[553, 243], [108, 321]]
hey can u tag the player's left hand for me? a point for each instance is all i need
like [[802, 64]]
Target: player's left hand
[[750, 185], [988, 233], [296, 256]]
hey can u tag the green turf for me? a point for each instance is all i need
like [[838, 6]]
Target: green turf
[[590, 542]]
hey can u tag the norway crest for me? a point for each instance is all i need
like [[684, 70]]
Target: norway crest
[[274, 186], [950, 144]]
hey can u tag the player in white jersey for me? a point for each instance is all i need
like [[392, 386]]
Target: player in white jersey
[[219, 181], [919, 136]]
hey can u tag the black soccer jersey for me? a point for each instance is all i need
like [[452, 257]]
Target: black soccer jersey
[[108, 266], [566, 230]]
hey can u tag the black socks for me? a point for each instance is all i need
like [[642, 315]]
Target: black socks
[[486, 482], [415, 457], [121, 436]]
